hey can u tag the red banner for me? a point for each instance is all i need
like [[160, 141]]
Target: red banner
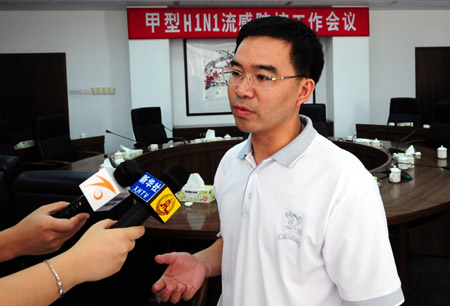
[[157, 23]]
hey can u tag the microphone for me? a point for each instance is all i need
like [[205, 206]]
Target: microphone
[[396, 149], [430, 166], [138, 145], [371, 131], [155, 198], [176, 137], [103, 190]]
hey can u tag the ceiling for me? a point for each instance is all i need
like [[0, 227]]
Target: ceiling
[[122, 4]]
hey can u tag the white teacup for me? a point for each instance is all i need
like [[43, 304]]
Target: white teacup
[[404, 163], [395, 175], [442, 152], [375, 143]]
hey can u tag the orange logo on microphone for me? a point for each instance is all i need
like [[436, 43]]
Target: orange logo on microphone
[[165, 205], [98, 194]]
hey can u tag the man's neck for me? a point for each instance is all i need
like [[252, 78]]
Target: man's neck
[[268, 143]]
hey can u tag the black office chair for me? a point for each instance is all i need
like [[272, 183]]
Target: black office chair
[[317, 113], [405, 110], [6, 145], [21, 125], [53, 141], [439, 133], [147, 126]]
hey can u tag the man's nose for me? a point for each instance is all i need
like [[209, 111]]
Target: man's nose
[[244, 89]]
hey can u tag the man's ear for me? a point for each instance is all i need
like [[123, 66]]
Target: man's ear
[[305, 90]]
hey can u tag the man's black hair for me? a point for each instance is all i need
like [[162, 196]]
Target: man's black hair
[[306, 51]]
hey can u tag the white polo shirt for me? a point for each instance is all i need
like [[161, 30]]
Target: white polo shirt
[[304, 227]]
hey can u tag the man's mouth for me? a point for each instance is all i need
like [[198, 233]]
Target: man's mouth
[[241, 110]]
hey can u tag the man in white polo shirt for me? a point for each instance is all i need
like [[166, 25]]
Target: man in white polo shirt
[[302, 221]]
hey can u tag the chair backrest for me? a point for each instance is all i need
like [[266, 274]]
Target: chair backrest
[[318, 115], [441, 112], [147, 125], [21, 125], [6, 145], [439, 133], [52, 138], [405, 110]]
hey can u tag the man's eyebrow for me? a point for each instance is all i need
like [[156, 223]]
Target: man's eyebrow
[[269, 68], [266, 67], [235, 63]]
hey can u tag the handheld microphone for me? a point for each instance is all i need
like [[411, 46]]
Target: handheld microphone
[[396, 149], [136, 145], [102, 191], [155, 198]]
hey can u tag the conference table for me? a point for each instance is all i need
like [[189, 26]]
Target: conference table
[[410, 205]]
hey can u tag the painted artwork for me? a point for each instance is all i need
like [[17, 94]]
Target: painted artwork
[[205, 61]]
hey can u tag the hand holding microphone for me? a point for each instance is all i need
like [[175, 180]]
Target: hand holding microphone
[[104, 190]]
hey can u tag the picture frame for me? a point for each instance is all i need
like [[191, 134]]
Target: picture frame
[[206, 91]]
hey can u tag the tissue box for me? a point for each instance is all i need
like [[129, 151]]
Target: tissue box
[[132, 154], [201, 195], [24, 144]]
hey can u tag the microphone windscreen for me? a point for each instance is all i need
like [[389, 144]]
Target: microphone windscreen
[[127, 173], [175, 177]]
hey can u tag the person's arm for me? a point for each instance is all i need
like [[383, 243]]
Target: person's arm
[[39, 233], [186, 273], [100, 253]]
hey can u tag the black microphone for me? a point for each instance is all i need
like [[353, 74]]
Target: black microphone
[[176, 137], [396, 149], [103, 193], [155, 197], [137, 144]]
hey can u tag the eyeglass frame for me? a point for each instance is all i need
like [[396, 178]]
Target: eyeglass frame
[[269, 77]]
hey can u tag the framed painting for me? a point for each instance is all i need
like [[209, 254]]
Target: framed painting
[[206, 91]]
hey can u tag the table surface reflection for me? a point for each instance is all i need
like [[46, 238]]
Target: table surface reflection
[[199, 221]]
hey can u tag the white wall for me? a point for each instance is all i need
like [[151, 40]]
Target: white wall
[[394, 35], [96, 47], [348, 86], [151, 77]]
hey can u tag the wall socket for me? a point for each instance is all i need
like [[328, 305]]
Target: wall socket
[[79, 92], [103, 90]]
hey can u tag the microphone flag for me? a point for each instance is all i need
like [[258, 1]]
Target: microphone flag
[[102, 191], [156, 194]]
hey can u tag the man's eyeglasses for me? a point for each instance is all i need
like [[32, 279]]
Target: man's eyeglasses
[[256, 80]]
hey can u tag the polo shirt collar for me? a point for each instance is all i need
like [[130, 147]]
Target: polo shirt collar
[[290, 153]]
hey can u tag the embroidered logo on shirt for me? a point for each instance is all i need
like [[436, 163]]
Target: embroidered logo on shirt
[[292, 228]]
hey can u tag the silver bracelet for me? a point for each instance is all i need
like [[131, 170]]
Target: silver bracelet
[[58, 280]]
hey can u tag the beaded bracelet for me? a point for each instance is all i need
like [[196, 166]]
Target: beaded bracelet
[[58, 280]]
